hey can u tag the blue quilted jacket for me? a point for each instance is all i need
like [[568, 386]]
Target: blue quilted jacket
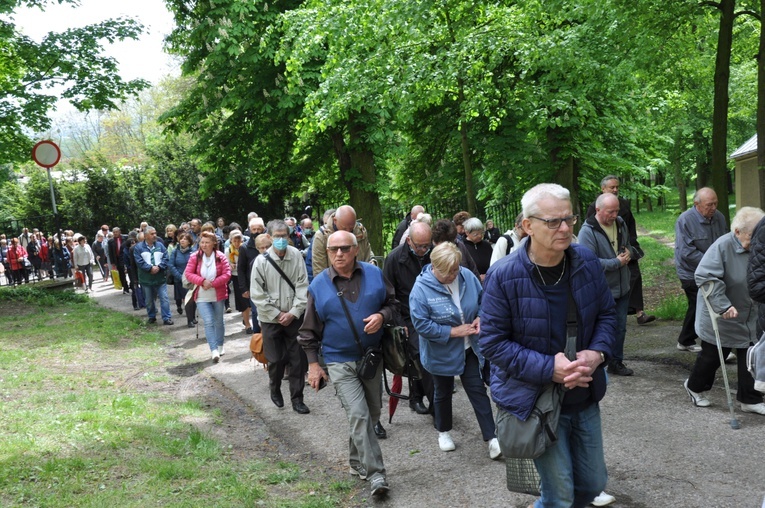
[[515, 326]]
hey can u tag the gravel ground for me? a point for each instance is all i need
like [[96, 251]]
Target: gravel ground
[[660, 449]]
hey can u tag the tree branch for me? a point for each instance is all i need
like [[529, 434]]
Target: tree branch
[[716, 5], [755, 15]]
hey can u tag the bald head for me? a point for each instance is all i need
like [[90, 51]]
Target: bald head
[[417, 210], [606, 209], [420, 238], [345, 218]]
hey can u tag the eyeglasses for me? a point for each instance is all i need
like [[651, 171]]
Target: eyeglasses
[[555, 223], [421, 246], [343, 248]]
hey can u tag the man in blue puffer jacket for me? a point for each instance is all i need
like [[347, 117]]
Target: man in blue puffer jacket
[[523, 335]]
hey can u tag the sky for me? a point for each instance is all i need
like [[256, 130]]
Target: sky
[[137, 59]]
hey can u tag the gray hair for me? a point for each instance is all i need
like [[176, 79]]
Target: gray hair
[[530, 200], [746, 219], [276, 225], [608, 178], [472, 224], [149, 229], [697, 194]]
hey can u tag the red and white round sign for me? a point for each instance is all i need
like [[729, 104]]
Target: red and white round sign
[[46, 153]]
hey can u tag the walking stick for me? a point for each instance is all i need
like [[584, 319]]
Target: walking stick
[[714, 316]]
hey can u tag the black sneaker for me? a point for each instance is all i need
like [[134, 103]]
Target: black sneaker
[[619, 369], [152, 320], [169, 322]]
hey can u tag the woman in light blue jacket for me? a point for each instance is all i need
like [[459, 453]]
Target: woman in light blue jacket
[[444, 305]]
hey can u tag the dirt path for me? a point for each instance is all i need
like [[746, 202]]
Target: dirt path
[[660, 450]]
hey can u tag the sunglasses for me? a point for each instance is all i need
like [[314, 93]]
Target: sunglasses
[[344, 248]]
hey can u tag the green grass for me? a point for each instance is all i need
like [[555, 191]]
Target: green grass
[[657, 266], [75, 433]]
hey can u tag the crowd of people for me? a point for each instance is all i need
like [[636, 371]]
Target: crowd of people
[[494, 309]]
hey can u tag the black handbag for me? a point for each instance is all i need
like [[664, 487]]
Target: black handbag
[[394, 346]]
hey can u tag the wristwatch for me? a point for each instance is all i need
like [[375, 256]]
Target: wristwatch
[[602, 357]]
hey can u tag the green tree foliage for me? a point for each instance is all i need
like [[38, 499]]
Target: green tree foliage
[[71, 63]]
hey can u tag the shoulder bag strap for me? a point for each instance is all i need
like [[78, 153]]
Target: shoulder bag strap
[[571, 328], [350, 321], [281, 272]]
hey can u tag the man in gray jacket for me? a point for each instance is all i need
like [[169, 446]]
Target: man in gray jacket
[[605, 233], [695, 230], [279, 289]]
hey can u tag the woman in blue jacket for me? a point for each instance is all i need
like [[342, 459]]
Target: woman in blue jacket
[[444, 305]]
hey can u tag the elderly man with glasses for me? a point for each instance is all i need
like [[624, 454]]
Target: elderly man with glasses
[[401, 268], [548, 290], [348, 304]]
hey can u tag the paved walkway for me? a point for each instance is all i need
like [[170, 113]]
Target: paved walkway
[[660, 450]]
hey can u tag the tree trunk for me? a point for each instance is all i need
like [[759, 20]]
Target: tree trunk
[[359, 174], [761, 109], [720, 115], [467, 163], [565, 170], [677, 171]]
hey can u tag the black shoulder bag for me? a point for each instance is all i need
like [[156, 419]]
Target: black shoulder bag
[[372, 356]]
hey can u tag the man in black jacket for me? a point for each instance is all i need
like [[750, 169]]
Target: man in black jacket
[[115, 256], [402, 266], [404, 224]]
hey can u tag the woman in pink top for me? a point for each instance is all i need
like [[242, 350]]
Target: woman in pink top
[[210, 271]]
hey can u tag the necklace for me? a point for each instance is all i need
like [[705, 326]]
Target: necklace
[[544, 283]]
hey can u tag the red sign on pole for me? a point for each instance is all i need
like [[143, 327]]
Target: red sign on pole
[[46, 153]]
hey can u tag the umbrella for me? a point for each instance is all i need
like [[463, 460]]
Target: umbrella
[[393, 401]]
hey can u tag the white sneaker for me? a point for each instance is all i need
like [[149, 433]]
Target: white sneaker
[[445, 442], [494, 451], [215, 356], [699, 399], [221, 350], [753, 408], [603, 500], [693, 348]]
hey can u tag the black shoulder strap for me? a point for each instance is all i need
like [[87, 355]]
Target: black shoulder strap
[[571, 328], [510, 243], [350, 320], [281, 272]]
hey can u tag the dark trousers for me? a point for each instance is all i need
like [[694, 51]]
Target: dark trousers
[[281, 348], [87, 270], [423, 387], [688, 332], [475, 391], [636, 286], [708, 361], [123, 277]]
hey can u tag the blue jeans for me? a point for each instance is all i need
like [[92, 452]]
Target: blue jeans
[[622, 306], [150, 293], [254, 317], [573, 470], [475, 391], [212, 315]]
